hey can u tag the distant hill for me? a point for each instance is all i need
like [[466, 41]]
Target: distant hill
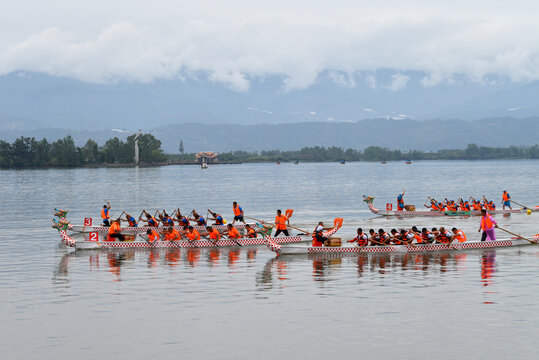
[[35, 101], [394, 134]]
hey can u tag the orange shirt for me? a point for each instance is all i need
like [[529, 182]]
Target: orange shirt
[[174, 235], [114, 228], [280, 222], [234, 233], [195, 235], [153, 236], [214, 235], [251, 233]]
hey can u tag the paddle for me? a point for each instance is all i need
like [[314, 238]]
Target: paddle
[[288, 213], [520, 236], [123, 212], [234, 240], [523, 206], [140, 216]]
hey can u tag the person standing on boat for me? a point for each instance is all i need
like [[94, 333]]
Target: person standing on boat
[[238, 213], [105, 214], [487, 225], [400, 201], [280, 224], [506, 200]]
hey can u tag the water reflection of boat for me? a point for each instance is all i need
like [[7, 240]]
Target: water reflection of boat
[[113, 260]]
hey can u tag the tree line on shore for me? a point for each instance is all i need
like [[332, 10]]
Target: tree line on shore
[[26, 152], [372, 153]]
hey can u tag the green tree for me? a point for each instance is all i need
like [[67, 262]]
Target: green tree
[[65, 153], [90, 153]]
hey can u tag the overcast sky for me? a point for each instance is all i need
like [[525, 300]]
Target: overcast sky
[[234, 41]]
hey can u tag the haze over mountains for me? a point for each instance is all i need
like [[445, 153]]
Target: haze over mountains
[[386, 108]]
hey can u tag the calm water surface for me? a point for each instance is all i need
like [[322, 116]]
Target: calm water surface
[[245, 302]]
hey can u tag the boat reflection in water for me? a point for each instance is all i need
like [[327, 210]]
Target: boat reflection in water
[[113, 260], [326, 267]]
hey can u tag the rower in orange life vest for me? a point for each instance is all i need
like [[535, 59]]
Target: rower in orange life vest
[[280, 224], [217, 218], [114, 231], [199, 219], [506, 200], [172, 235], [318, 237], [153, 235], [426, 236], [192, 234], [130, 220], [251, 233], [458, 235], [400, 201], [105, 214], [213, 234], [384, 237], [444, 236], [152, 222], [238, 213], [165, 219], [361, 239], [395, 237], [232, 232], [182, 220], [487, 225]]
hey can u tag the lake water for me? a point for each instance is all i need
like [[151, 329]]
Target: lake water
[[246, 303]]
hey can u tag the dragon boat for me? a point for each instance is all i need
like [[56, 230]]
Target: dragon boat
[[89, 227], [389, 212], [415, 248]]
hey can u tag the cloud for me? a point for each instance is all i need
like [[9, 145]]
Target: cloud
[[398, 82], [237, 41]]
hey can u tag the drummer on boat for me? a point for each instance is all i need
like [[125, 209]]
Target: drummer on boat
[[318, 236], [114, 231]]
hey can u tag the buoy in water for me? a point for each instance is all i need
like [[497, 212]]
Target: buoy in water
[[529, 212]]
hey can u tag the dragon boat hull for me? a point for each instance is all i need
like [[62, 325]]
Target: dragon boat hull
[[140, 243], [419, 248], [430, 213], [143, 229]]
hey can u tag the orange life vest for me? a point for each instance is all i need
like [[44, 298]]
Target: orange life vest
[[444, 238], [505, 197], [280, 222], [461, 236], [486, 222], [195, 235], [174, 235], [251, 233], [153, 236], [237, 211], [114, 228], [214, 235], [105, 214], [234, 233]]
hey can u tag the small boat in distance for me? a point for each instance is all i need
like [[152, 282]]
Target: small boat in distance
[[408, 162], [383, 162], [343, 162]]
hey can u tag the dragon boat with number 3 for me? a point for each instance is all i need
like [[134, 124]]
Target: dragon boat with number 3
[[415, 248], [389, 212], [97, 240], [89, 227]]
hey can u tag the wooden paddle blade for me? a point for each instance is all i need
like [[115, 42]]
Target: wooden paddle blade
[[288, 213], [337, 222]]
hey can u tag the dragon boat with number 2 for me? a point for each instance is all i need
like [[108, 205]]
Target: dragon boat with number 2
[[415, 248], [389, 212]]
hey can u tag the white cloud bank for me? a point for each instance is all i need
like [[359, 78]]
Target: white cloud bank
[[236, 41]]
